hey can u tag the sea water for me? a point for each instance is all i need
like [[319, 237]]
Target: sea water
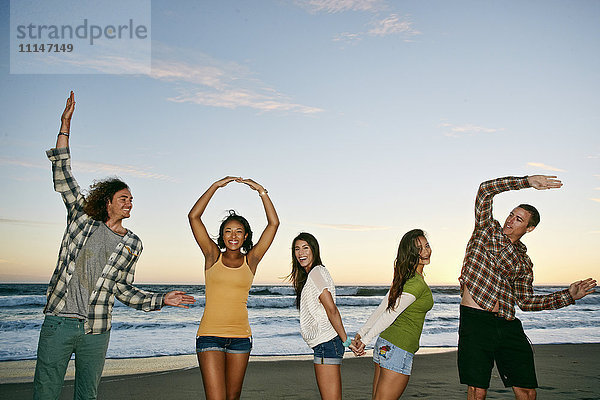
[[274, 320]]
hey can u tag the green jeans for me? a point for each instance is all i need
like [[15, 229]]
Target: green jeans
[[60, 337]]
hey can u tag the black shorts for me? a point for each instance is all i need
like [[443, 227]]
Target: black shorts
[[483, 338]]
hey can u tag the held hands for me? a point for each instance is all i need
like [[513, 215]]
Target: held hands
[[177, 298], [542, 182], [581, 289], [357, 346]]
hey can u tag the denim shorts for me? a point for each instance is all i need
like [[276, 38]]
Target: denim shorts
[[224, 344], [330, 352], [392, 357]]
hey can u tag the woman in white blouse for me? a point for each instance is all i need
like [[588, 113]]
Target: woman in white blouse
[[320, 320]]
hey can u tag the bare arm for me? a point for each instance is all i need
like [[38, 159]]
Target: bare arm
[[333, 314], [65, 122], [208, 247], [266, 238]]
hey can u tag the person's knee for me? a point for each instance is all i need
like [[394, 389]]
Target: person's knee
[[234, 396], [475, 393], [525, 393]]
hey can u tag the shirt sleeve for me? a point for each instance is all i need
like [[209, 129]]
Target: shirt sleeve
[[487, 191], [320, 280], [528, 301], [137, 298], [383, 318], [65, 183]]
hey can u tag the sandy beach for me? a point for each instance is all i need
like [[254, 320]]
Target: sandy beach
[[566, 371]]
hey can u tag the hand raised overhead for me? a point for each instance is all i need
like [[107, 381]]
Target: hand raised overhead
[[255, 186], [227, 180], [542, 182]]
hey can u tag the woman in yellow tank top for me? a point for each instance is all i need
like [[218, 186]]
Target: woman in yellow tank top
[[223, 342]]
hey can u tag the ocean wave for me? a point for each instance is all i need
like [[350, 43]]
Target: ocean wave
[[22, 301]]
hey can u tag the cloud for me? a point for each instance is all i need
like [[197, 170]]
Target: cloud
[[467, 130], [545, 167], [348, 227], [595, 199], [115, 169], [204, 80], [391, 25], [21, 163], [93, 167], [198, 78], [336, 6], [26, 222]]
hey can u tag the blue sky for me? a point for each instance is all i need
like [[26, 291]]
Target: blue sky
[[363, 119]]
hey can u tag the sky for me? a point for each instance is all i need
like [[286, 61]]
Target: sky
[[363, 119]]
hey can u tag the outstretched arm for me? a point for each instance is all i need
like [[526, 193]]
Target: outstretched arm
[[263, 244], [528, 301], [208, 247], [65, 122], [487, 191]]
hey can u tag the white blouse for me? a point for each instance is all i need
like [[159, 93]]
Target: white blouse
[[314, 323]]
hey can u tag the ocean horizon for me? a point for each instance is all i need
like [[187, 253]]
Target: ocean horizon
[[274, 320]]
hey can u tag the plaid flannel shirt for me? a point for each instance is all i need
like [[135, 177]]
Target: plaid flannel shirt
[[497, 270], [117, 276]]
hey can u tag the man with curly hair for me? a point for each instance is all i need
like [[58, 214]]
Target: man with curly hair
[[96, 263]]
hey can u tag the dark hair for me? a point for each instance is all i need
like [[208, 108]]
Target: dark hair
[[298, 275], [534, 214], [101, 192], [247, 245], [405, 265]]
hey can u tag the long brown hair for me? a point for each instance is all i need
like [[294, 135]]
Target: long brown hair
[[299, 275], [405, 265]]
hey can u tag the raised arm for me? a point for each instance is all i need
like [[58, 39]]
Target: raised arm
[[65, 123], [62, 176], [266, 238], [207, 245], [487, 191]]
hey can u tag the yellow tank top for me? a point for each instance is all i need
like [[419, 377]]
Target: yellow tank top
[[226, 291]]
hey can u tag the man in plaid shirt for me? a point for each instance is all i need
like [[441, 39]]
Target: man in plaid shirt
[[96, 263], [496, 275]]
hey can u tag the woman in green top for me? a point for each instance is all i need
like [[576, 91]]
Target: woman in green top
[[399, 319]]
